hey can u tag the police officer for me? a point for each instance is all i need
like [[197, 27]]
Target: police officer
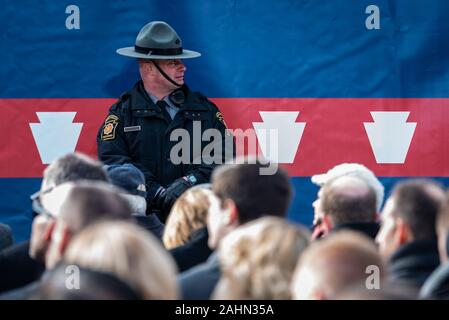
[[139, 125]]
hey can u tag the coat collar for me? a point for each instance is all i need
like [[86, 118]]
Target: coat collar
[[142, 101]]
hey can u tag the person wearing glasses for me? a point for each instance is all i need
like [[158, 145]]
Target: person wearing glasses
[[24, 263], [142, 127], [350, 205]]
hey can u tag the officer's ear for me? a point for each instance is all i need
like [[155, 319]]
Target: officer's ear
[[145, 66]]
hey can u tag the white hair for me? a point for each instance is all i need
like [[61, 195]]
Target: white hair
[[353, 170], [138, 204]]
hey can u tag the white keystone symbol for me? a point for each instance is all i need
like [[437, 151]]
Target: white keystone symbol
[[390, 135], [284, 135], [55, 135]]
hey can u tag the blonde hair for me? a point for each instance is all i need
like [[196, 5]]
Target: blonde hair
[[128, 252], [189, 213], [258, 259]]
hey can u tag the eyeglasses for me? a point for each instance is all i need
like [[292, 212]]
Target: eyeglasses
[[36, 203]]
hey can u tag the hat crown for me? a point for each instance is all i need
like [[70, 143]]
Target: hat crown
[[128, 177], [158, 35]]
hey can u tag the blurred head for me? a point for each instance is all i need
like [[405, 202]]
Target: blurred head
[[243, 195], [73, 167], [258, 259], [87, 285], [345, 170], [128, 252], [443, 229], [346, 199], [333, 264], [386, 292], [75, 206], [353, 170], [409, 215], [132, 181], [189, 213], [6, 237], [70, 167]]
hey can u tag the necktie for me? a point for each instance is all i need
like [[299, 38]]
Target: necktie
[[168, 109]]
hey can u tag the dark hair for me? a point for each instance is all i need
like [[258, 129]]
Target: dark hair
[[254, 195], [73, 167], [89, 202], [6, 236], [417, 203], [443, 218], [93, 285], [348, 207]]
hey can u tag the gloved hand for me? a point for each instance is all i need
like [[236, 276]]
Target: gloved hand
[[173, 192], [159, 198]]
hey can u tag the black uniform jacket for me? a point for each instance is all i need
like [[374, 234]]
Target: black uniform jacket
[[138, 131]]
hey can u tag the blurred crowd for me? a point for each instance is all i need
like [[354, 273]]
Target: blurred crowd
[[93, 238]]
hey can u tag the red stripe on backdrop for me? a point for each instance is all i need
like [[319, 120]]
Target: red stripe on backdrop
[[18, 152], [334, 131]]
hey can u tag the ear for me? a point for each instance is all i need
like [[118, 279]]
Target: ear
[[65, 240], [49, 229], [402, 233], [145, 67], [327, 224], [231, 212]]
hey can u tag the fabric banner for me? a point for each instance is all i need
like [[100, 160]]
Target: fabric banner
[[341, 81]]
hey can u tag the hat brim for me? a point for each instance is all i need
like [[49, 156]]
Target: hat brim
[[130, 52]]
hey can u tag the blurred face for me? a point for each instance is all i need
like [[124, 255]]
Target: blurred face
[[53, 202], [216, 222], [40, 237], [318, 214], [319, 228], [42, 225], [442, 245], [386, 239]]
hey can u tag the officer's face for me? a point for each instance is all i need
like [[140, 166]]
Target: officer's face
[[175, 69]]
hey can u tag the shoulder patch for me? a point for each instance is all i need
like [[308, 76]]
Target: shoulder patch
[[220, 118], [110, 125]]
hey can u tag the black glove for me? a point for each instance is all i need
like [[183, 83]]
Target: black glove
[[173, 192], [158, 199]]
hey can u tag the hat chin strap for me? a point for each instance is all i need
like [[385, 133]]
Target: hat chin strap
[[165, 75]]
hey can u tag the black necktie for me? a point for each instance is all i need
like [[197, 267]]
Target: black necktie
[[163, 106]]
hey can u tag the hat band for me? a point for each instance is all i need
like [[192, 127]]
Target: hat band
[[159, 52]]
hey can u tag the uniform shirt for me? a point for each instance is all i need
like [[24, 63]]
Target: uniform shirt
[[171, 108]]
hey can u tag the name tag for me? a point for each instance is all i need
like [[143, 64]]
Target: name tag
[[131, 129]]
